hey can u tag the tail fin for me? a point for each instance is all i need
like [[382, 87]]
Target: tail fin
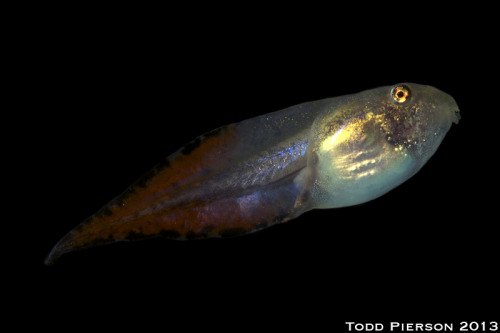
[[161, 203]]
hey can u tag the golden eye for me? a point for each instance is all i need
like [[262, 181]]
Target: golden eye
[[400, 94]]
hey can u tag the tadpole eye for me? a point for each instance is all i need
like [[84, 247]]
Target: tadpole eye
[[400, 94]]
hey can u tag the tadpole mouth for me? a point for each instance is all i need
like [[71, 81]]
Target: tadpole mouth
[[451, 107], [456, 116], [448, 106]]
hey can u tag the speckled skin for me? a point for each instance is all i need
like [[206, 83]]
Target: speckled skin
[[250, 175]]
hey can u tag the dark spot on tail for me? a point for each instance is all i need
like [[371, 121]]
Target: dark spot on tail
[[118, 201], [105, 211], [96, 242], [215, 132], [134, 236], [207, 229], [261, 225], [233, 232], [142, 182], [191, 146], [204, 233], [191, 235], [162, 165], [169, 234]]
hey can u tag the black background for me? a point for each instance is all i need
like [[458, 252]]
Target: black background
[[115, 91]]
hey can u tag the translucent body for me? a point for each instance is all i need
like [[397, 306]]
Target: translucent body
[[250, 175]]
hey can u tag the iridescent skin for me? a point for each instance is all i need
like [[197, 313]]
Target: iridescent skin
[[245, 177]]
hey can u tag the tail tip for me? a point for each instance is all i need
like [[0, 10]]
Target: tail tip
[[52, 257], [62, 247]]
